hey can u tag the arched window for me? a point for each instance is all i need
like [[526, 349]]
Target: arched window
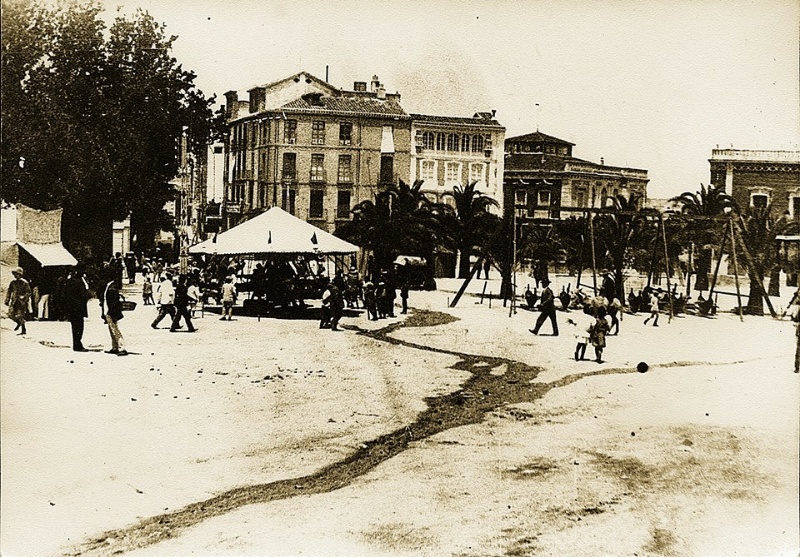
[[465, 143], [440, 141], [452, 142], [428, 139], [477, 143], [603, 197]]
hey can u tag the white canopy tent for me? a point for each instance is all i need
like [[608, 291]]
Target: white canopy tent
[[274, 232]]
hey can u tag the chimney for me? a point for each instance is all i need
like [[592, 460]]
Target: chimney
[[493, 113], [360, 86], [602, 161], [381, 92], [374, 84], [231, 105]]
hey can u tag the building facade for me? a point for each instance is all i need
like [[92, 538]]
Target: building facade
[[759, 178], [451, 151], [312, 149], [542, 179]]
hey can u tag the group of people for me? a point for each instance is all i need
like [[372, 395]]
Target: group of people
[[598, 317]]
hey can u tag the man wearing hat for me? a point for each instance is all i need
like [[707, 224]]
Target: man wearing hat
[[547, 308], [76, 294], [18, 298]]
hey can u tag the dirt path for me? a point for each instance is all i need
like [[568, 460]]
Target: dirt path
[[494, 382]]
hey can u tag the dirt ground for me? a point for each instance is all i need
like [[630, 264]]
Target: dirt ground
[[450, 431]]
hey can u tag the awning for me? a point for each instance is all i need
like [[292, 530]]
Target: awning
[[49, 255]]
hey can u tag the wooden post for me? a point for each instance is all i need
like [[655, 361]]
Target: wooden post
[[466, 282], [749, 260], [736, 272], [666, 265], [594, 260], [580, 254], [655, 254], [719, 260]]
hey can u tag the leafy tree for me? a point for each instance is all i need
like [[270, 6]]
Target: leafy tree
[[93, 118], [710, 202], [472, 222]]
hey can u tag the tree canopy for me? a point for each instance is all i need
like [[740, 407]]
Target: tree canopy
[[93, 117]]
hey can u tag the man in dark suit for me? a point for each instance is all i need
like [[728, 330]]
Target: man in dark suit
[[547, 307], [111, 307], [75, 296]]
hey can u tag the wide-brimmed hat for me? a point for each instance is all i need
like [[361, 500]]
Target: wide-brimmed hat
[[17, 271], [545, 281]]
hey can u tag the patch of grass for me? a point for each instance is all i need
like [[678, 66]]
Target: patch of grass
[[534, 469], [522, 547], [662, 542], [399, 536]]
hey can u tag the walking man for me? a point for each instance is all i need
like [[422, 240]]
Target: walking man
[[76, 294], [547, 309], [182, 306], [18, 297], [165, 300]]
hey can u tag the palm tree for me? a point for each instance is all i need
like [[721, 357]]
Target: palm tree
[[710, 202], [759, 227], [621, 229], [472, 223], [400, 221]]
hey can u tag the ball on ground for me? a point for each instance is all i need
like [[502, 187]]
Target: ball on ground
[[642, 367]]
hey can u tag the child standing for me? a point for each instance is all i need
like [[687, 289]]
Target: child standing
[[147, 292], [583, 324], [598, 334], [228, 298], [654, 310]]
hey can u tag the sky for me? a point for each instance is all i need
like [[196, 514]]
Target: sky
[[649, 84]]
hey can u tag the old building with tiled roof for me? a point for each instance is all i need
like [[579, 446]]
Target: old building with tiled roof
[[542, 180], [450, 151], [311, 148]]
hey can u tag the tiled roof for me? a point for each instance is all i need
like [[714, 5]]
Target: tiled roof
[[540, 137], [460, 121], [349, 105]]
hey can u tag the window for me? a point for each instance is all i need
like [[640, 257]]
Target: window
[[343, 204], [428, 139], [452, 142], [290, 131], [520, 197], [316, 204], [318, 133], [345, 172], [317, 168], [477, 143], [759, 200], [440, 141], [288, 198], [795, 207], [289, 167], [476, 173], [387, 139], [543, 198], [387, 169], [465, 143], [452, 173], [427, 173], [345, 133], [579, 197]]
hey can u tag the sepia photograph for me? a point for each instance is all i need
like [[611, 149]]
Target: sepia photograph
[[351, 278]]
